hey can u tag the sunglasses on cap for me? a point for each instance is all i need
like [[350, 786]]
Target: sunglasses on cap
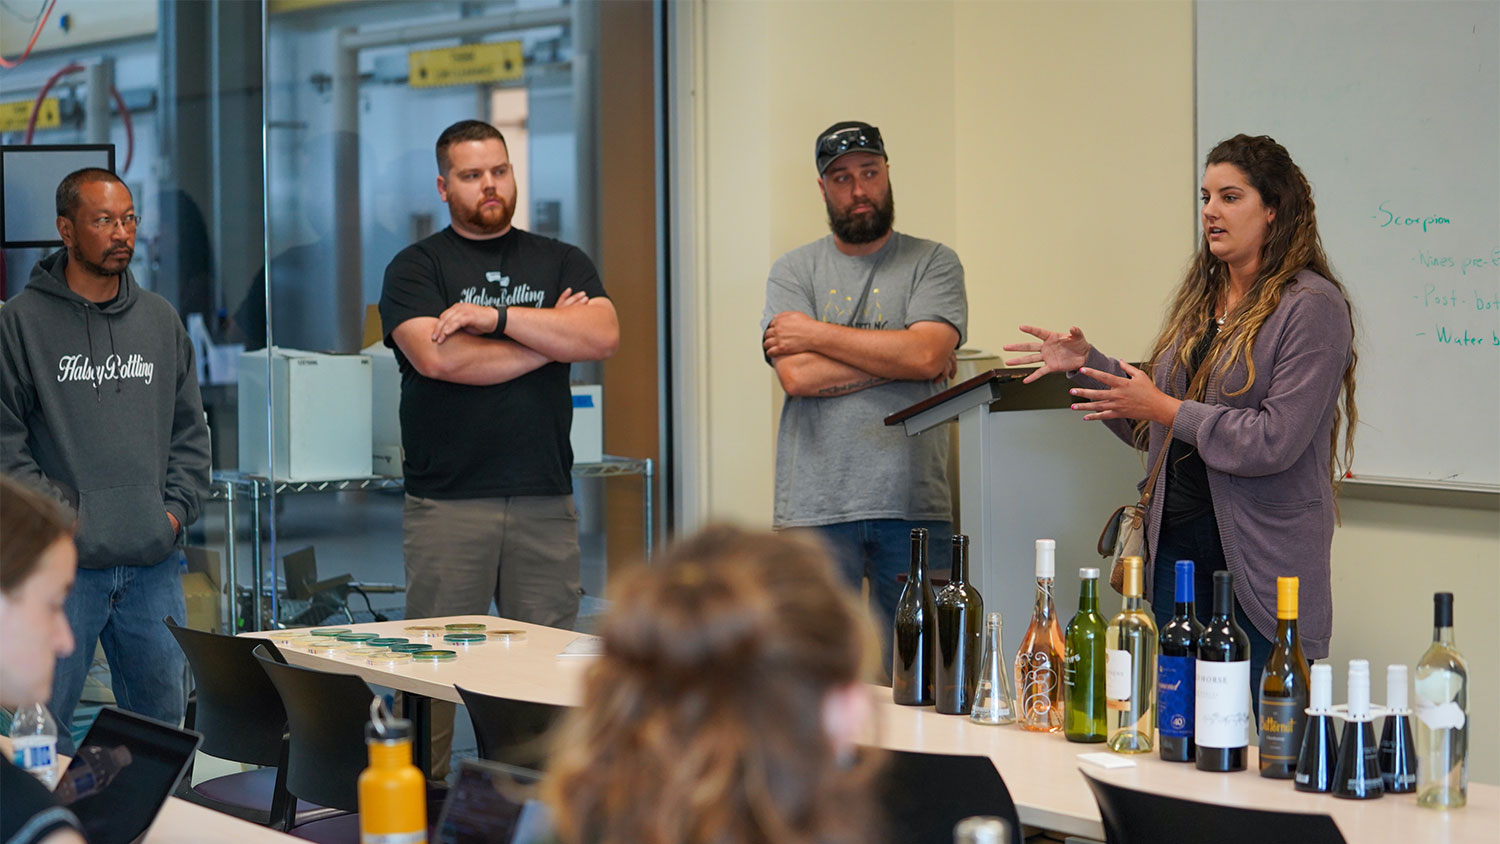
[[851, 139]]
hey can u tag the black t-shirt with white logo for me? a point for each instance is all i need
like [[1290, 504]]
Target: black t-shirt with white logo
[[481, 442]]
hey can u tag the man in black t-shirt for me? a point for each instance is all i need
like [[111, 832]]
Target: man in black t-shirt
[[484, 319]]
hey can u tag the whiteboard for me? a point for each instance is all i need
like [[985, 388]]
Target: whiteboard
[[1392, 110]]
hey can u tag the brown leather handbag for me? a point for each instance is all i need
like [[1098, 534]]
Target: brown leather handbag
[[1124, 533]]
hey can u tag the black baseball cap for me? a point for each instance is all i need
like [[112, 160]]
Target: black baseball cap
[[846, 137]]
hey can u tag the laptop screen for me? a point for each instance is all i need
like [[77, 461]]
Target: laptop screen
[[487, 805], [122, 773]]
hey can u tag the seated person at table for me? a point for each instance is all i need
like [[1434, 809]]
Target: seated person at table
[[37, 560], [725, 706]]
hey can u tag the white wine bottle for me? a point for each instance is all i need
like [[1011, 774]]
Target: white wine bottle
[[1442, 715], [1130, 670]]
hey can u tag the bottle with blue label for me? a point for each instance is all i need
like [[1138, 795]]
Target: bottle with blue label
[[1177, 648], [34, 736]]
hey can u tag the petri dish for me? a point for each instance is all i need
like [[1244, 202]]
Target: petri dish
[[364, 652], [409, 648], [464, 628], [465, 638], [510, 635], [387, 641], [356, 637], [426, 631], [329, 648], [330, 631], [435, 655], [298, 638], [388, 658]]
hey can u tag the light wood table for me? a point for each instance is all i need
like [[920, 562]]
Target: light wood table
[[1040, 770], [181, 822]]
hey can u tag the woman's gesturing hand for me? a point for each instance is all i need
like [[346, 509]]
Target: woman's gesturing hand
[[1132, 397], [1058, 352]]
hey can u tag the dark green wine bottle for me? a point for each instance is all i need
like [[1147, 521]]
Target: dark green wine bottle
[[960, 622], [1083, 666], [916, 631]]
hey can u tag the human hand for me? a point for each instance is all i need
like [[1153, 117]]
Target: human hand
[[465, 316], [568, 299], [790, 333], [1058, 351], [1134, 397], [176, 526], [950, 369]]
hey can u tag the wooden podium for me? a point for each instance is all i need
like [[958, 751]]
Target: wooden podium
[[1030, 468]]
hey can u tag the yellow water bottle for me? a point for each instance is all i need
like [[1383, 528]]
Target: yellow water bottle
[[392, 791]]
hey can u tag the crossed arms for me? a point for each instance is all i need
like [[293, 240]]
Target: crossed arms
[[453, 347], [814, 358]]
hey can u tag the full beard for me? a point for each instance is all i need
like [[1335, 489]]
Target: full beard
[[865, 227], [491, 219], [106, 267]]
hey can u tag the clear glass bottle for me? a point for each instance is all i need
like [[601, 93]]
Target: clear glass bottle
[[1130, 669], [1442, 686], [960, 623], [1083, 672], [993, 703], [1039, 662]]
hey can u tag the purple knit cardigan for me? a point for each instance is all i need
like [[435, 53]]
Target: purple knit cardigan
[[1267, 453]]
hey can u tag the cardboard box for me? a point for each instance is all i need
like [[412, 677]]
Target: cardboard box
[[322, 415], [587, 433], [200, 589]]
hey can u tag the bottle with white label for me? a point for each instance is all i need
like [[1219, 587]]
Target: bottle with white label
[[34, 735], [1442, 686], [1221, 706], [1130, 670]]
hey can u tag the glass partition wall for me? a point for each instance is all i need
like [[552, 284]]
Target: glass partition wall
[[280, 154]]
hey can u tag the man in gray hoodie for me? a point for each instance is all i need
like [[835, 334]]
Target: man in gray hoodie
[[99, 406]]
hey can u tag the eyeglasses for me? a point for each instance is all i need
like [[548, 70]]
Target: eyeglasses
[[104, 224], [837, 143]]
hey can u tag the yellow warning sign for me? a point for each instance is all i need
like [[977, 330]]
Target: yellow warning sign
[[14, 115], [466, 65]]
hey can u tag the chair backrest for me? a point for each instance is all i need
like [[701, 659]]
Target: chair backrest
[[510, 731], [1137, 817], [238, 711], [326, 714], [926, 794]]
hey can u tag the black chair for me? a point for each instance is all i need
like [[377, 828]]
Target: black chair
[[927, 794], [1139, 817], [326, 716], [512, 732], [240, 715]]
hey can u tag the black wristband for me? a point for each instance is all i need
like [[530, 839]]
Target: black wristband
[[499, 332]]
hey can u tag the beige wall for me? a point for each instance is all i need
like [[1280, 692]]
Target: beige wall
[[1051, 144]]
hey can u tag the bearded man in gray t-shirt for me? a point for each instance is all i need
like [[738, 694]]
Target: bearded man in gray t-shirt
[[858, 325]]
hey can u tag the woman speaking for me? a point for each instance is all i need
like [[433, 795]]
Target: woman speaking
[[1250, 388]]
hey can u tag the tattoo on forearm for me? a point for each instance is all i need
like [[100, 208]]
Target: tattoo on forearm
[[852, 386]]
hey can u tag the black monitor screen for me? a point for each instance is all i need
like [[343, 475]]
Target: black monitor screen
[[29, 176]]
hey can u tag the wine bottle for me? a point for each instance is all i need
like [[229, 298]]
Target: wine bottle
[[1283, 690], [960, 622], [916, 631], [1357, 776], [1398, 753], [1221, 680], [1039, 661], [1130, 669], [1320, 747], [1175, 672], [1083, 665], [1442, 686]]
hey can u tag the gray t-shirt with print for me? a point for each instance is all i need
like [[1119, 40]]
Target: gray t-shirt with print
[[836, 461]]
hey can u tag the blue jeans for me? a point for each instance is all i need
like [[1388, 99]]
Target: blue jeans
[[880, 549], [123, 608], [1198, 540]]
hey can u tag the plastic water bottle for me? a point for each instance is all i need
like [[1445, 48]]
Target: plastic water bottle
[[34, 734]]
